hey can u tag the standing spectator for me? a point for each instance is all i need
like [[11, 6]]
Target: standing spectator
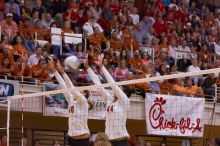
[[34, 58], [8, 6], [9, 27]]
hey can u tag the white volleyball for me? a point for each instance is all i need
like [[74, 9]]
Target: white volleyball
[[72, 62]]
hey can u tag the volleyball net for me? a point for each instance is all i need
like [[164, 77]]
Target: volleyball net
[[166, 112]]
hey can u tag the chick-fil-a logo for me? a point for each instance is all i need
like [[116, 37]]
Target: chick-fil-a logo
[[157, 119]]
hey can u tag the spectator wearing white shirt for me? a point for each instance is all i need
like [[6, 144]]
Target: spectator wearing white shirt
[[184, 49], [194, 68], [172, 49], [34, 58], [134, 15], [88, 27]]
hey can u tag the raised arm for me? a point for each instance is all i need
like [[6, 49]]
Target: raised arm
[[60, 80], [120, 94], [96, 80], [69, 84]]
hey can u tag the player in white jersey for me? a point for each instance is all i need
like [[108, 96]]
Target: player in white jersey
[[116, 111], [78, 132]]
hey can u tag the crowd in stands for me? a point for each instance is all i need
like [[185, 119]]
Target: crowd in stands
[[166, 37]]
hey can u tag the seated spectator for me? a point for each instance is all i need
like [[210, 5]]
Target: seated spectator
[[5, 67], [140, 34], [146, 60], [111, 57], [184, 49], [123, 55], [40, 71], [15, 16], [194, 68], [121, 73], [21, 68], [9, 27], [97, 38], [67, 27], [136, 62], [79, 52], [18, 48], [163, 59], [25, 10], [34, 58], [178, 88], [7, 53], [38, 8], [10, 4], [154, 85], [193, 90], [209, 85], [88, 27], [115, 42], [163, 70], [131, 44], [46, 21], [135, 16]]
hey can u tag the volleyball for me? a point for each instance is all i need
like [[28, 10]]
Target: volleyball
[[72, 62]]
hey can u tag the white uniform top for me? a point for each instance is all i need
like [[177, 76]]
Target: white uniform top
[[89, 28], [116, 112], [78, 108]]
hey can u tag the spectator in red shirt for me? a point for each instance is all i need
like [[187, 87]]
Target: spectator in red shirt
[[159, 26]]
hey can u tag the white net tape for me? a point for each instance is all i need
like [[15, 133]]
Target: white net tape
[[165, 77]]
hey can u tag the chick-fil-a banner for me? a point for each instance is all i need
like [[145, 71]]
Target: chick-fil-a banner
[[174, 115]]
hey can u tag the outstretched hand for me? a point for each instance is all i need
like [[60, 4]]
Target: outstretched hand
[[60, 68], [51, 66], [86, 63], [100, 59]]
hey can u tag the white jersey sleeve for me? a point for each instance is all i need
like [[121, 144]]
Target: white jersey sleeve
[[97, 81], [76, 93], [62, 84], [120, 94]]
